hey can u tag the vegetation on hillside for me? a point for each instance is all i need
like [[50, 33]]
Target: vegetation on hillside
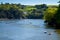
[[10, 11], [52, 16], [17, 11]]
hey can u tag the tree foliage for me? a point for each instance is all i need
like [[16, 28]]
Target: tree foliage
[[49, 13], [17, 11], [10, 11], [52, 16]]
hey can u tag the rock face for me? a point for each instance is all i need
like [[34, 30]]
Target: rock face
[[45, 31], [49, 34]]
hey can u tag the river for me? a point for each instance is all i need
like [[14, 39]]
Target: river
[[27, 29]]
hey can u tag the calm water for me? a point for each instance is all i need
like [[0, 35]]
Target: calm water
[[27, 29]]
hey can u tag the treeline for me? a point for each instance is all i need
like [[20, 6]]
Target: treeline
[[10, 11], [18, 11], [52, 16]]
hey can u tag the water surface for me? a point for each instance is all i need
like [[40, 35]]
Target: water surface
[[27, 29]]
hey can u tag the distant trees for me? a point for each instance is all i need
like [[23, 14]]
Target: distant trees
[[17, 11], [44, 6], [36, 12], [10, 11]]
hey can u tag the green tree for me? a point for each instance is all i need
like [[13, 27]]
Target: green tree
[[57, 17], [52, 16]]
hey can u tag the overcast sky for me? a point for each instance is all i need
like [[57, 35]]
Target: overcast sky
[[31, 2]]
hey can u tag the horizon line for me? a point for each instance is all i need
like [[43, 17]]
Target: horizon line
[[28, 4]]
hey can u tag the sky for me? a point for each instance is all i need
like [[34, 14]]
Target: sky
[[31, 2]]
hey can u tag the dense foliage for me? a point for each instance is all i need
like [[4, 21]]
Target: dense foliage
[[52, 16], [10, 11], [57, 18], [17, 11], [35, 12], [49, 13]]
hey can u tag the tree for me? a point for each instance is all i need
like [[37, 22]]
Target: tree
[[53, 17], [57, 17], [49, 16], [10, 11]]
